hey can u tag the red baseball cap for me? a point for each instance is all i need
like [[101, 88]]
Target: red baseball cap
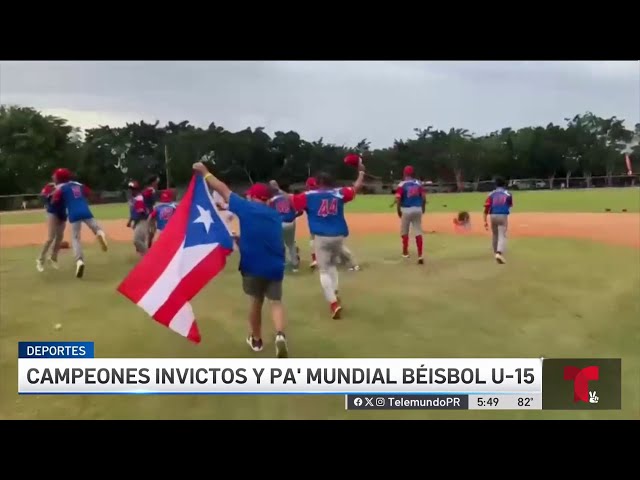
[[166, 196], [311, 183], [353, 160], [62, 175], [408, 171], [259, 191]]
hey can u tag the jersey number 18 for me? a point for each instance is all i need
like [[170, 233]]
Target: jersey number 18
[[328, 207]]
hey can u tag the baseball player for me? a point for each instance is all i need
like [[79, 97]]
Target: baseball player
[[346, 257], [282, 204], [162, 212], [498, 206], [262, 256], [56, 223], [73, 196], [150, 197], [134, 190], [411, 202], [325, 212]]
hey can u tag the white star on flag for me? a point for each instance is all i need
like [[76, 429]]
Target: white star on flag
[[204, 218]]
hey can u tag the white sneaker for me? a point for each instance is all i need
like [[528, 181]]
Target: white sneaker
[[313, 264], [53, 264], [79, 269], [282, 350], [355, 268], [39, 266], [102, 239], [500, 259]]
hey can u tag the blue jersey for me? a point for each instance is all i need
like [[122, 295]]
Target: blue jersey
[[410, 193], [325, 210], [163, 213], [52, 207], [499, 202], [261, 241], [73, 197], [283, 206]]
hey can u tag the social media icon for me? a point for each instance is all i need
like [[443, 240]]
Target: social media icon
[[357, 402], [380, 402], [369, 402]]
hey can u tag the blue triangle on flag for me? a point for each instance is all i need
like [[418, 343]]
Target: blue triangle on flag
[[205, 226]]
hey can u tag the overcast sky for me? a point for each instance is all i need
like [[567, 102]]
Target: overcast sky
[[340, 101]]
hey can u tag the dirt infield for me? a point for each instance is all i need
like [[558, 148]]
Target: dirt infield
[[610, 228]]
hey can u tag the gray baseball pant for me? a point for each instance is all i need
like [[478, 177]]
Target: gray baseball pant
[[499, 224], [76, 229], [289, 235], [55, 234]]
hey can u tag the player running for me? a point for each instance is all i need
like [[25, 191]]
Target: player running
[[327, 224], [410, 204], [262, 256], [73, 196], [498, 205], [346, 257], [162, 212], [281, 202], [56, 223]]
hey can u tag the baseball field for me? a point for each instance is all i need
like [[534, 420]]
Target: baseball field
[[570, 289]]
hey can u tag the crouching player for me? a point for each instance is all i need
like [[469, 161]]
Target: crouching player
[[162, 212], [74, 197], [325, 211]]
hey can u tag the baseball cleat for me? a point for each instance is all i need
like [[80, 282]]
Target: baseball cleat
[[79, 269], [355, 268], [335, 310], [420, 261], [102, 239], [405, 255], [254, 344], [294, 270], [39, 266], [53, 264], [313, 264], [282, 349], [500, 259]]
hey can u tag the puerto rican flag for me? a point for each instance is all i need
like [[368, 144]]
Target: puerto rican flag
[[190, 252]]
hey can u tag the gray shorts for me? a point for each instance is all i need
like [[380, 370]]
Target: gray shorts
[[260, 288], [411, 218]]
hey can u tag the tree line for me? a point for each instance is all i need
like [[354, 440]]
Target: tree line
[[106, 158]]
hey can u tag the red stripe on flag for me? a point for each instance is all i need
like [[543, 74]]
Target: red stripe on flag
[[194, 333], [154, 263], [191, 284]]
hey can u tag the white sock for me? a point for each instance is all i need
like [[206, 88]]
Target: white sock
[[333, 272], [327, 286]]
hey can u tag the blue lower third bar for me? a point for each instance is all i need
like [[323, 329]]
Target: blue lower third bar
[[56, 350], [407, 402]]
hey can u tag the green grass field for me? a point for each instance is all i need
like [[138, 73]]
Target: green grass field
[[590, 201], [555, 298]]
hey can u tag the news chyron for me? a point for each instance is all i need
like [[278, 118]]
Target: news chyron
[[71, 368]]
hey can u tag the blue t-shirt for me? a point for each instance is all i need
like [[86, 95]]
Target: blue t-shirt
[[261, 241], [499, 202], [282, 205], [72, 195]]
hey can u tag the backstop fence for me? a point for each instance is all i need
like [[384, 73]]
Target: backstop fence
[[30, 201]]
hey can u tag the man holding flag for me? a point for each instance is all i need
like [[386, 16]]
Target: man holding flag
[[193, 249]]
